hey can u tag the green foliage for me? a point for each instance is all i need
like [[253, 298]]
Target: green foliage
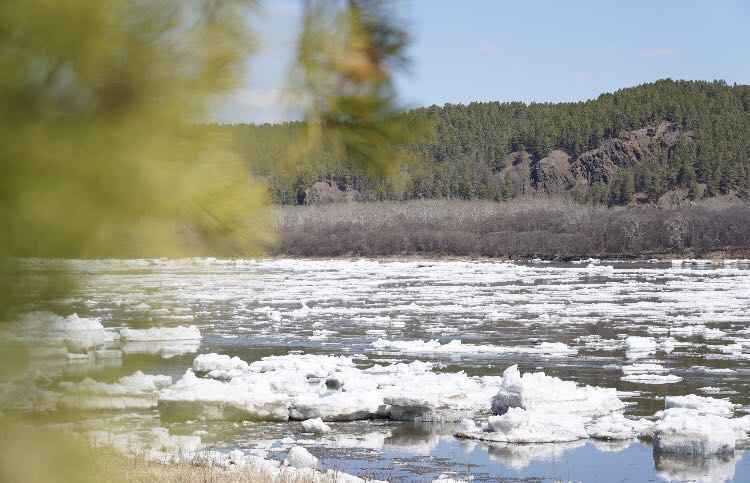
[[622, 188], [99, 146]]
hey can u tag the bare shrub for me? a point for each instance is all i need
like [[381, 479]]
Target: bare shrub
[[534, 227]]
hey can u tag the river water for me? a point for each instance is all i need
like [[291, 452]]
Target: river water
[[697, 315]]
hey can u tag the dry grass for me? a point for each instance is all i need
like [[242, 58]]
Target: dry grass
[[137, 470], [29, 455]]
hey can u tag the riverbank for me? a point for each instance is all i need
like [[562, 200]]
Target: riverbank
[[32, 454], [521, 229]]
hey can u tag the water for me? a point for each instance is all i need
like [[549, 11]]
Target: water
[[252, 309]]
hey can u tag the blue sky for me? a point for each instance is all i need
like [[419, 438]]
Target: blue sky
[[479, 50]]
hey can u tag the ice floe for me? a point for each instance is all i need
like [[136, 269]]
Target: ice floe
[[539, 392], [637, 347], [617, 427], [192, 397], [652, 378], [536, 408], [518, 425], [686, 432], [302, 387], [74, 333], [136, 391], [456, 347], [219, 366], [298, 457], [155, 334], [315, 425], [165, 349], [701, 404], [644, 368]]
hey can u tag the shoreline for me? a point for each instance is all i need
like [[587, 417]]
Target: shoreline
[[718, 255], [713, 255]]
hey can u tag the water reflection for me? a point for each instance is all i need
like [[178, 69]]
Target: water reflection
[[520, 456], [717, 469]]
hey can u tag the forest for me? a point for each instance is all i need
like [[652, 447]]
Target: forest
[[632, 146]]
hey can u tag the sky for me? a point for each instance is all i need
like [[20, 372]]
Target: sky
[[531, 51]]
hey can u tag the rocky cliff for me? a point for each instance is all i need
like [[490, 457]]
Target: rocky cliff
[[559, 172]]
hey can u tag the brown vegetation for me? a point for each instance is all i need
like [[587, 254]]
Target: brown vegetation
[[548, 228]]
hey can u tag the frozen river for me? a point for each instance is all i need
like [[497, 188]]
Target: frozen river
[[648, 330]]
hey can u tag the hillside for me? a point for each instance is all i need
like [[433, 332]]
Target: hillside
[[631, 146]]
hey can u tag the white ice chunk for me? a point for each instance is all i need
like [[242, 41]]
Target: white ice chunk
[[298, 457], [220, 366], [137, 390], [193, 397], [338, 406], [165, 349], [702, 404], [521, 426], [315, 426], [652, 378], [456, 346], [300, 387], [637, 347], [189, 332], [467, 425], [539, 392], [688, 432], [617, 427], [644, 368], [78, 334]]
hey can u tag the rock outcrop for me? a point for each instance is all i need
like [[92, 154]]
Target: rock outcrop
[[559, 172], [553, 172], [630, 148]]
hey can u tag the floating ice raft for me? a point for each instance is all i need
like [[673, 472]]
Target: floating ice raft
[[302, 387], [539, 392], [457, 347], [136, 391]]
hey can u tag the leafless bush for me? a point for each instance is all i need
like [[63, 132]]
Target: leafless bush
[[548, 227]]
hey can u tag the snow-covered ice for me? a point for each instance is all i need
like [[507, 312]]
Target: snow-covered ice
[[518, 425], [298, 457], [539, 392], [702, 404], [301, 387], [182, 332], [617, 427], [136, 391], [315, 425], [686, 432], [456, 347], [652, 378], [76, 334]]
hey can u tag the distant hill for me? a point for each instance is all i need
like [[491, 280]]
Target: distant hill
[[631, 146]]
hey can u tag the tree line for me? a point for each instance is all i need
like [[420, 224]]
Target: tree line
[[465, 151]]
